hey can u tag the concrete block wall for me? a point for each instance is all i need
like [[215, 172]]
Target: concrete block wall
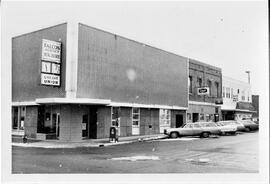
[[70, 122], [103, 122], [126, 121], [149, 117], [30, 122]]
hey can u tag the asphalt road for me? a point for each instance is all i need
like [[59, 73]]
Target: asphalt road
[[226, 154]]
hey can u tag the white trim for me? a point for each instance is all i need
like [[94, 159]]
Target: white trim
[[238, 110], [72, 58], [72, 101], [202, 103], [25, 103], [154, 106]]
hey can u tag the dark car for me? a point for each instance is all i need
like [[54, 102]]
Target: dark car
[[249, 125]]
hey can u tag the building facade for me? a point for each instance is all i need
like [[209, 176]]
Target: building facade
[[237, 101], [72, 82], [204, 85], [255, 104]]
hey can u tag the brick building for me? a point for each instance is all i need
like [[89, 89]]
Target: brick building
[[72, 82], [205, 91]]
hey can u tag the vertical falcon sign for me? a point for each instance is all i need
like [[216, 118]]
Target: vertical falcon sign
[[50, 63]]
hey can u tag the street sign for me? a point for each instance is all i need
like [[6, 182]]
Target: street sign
[[203, 91]]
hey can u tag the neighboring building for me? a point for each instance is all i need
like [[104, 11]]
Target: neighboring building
[[204, 85], [255, 104], [72, 82], [237, 101]]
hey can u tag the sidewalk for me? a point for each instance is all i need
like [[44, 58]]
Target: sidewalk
[[86, 143]]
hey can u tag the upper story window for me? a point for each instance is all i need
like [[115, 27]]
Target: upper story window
[[217, 89], [190, 84], [199, 80], [231, 92], [209, 84], [238, 91], [223, 92]]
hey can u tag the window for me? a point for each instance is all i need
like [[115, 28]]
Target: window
[[243, 95], [201, 116], [199, 80], [238, 91], [135, 116], [190, 84], [196, 126], [188, 126], [116, 116], [207, 117], [217, 88], [164, 117], [227, 92], [188, 116], [231, 92], [223, 92], [209, 84]]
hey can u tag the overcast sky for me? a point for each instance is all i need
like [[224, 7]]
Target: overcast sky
[[230, 35]]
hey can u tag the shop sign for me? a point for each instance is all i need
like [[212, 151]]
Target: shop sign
[[203, 91], [49, 79], [51, 51]]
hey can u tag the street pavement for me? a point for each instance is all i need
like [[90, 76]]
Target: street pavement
[[225, 154]]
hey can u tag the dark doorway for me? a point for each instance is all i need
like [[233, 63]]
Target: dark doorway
[[93, 123], [178, 120], [195, 117]]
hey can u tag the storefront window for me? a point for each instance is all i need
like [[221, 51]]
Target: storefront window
[[207, 117], [223, 92], [188, 116], [201, 117], [136, 116], [19, 114], [165, 117], [116, 116]]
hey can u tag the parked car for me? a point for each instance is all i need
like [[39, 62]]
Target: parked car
[[203, 129], [239, 125], [227, 127], [249, 125]]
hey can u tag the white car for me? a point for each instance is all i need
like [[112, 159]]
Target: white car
[[227, 127]]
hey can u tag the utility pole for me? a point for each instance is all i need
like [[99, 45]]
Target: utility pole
[[248, 72]]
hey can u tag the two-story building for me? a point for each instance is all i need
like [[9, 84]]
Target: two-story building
[[205, 88], [237, 100], [72, 82]]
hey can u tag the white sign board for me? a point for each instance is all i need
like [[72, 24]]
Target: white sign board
[[203, 91], [51, 51], [49, 79]]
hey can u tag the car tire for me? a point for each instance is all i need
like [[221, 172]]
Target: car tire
[[174, 135], [205, 134], [247, 129]]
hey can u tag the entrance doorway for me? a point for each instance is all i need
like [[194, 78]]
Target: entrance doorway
[[178, 120], [89, 124], [195, 117]]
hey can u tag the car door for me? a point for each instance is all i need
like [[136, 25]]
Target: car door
[[187, 130], [197, 130]]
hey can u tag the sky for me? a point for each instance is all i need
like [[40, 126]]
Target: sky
[[230, 35]]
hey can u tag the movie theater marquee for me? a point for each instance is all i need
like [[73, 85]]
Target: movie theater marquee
[[50, 63]]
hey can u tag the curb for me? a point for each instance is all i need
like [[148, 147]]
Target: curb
[[32, 145]]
